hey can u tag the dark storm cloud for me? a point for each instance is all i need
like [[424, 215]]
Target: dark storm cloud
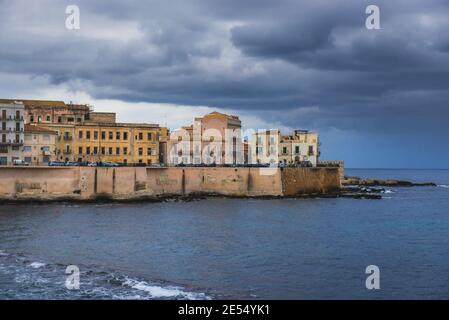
[[248, 55]]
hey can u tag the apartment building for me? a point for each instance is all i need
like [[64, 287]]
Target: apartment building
[[127, 143], [39, 147], [213, 138], [271, 147], [11, 131], [49, 111]]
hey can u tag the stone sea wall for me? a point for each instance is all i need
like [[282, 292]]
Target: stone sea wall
[[123, 183]]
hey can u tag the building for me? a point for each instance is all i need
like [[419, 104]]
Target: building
[[127, 143], [49, 111], [213, 138], [271, 147], [39, 146], [11, 131]]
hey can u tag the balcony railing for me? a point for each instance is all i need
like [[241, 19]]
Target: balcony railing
[[65, 137]]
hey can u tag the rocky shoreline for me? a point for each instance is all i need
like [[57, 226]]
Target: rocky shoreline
[[352, 187], [356, 181]]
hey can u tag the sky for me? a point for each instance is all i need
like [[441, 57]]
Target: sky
[[379, 98]]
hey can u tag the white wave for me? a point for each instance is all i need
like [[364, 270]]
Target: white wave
[[443, 186], [37, 265], [388, 191], [160, 292]]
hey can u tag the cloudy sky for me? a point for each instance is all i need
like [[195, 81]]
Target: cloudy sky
[[379, 98]]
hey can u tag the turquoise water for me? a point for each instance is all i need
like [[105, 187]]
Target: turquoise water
[[234, 248]]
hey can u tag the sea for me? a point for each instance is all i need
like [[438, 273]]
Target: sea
[[222, 248]]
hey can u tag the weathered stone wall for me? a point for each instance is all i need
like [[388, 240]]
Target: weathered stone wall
[[127, 182], [297, 181]]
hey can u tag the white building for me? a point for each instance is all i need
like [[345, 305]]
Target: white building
[[272, 147], [11, 132]]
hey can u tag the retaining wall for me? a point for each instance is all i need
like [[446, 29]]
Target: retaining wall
[[129, 182]]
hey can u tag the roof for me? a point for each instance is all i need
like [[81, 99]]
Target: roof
[[37, 129], [37, 103]]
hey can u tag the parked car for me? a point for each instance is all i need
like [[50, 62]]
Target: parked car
[[107, 164], [19, 162], [56, 163], [72, 164], [305, 164]]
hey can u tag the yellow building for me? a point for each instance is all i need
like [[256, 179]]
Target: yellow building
[[127, 143]]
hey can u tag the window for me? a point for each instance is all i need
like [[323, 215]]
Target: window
[[87, 150], [17, 138], [80, 135], [3, 114], [125, 150], [48, 118], [296, 149], [31, 118], [284, 150], [3, 137], [117, 135], [117, 150], [88, 135], [95, 150], [310, 150], [103, 150], [28, 159], [80, 150], [140, 136], [3, 125], [39, 119], [140, 151], [103, 135], [59, 119], [46, 148], [125, 135], [27, 148], [78, 119], [95, 135], [17, 126], [110, 150], [150, 136], [111, 135], [149, 152]]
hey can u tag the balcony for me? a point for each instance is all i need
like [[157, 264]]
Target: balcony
[[66, 138], [17, 142], [67, 151]]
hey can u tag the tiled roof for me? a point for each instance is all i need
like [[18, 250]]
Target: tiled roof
[[37, 129]]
